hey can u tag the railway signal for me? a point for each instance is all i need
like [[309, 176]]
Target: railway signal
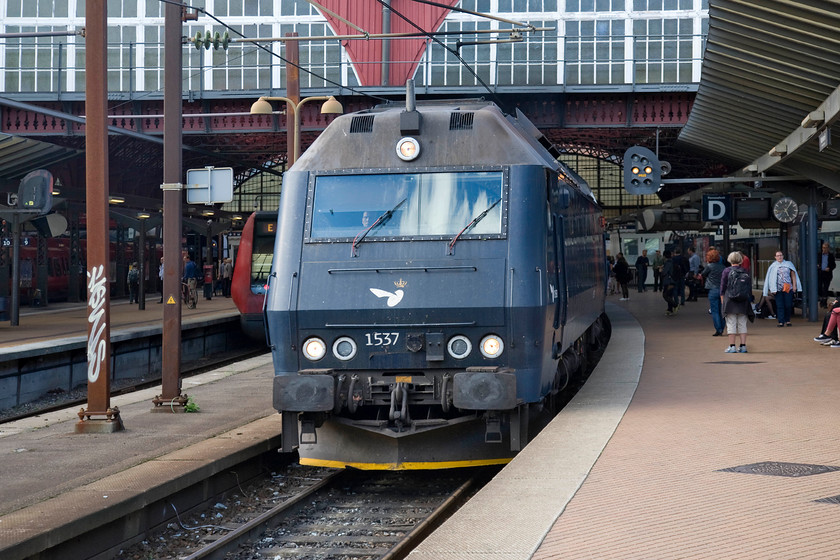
[[642, 171]]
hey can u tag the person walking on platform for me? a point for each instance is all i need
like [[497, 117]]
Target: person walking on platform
[[693, 273], [826, 264], [133, 283], [711, 276], [736, 305], [658, 263], [642, 264], [191, 279], [680, 270], [668, 283], [622, 275], [227, 274], [782, 282]]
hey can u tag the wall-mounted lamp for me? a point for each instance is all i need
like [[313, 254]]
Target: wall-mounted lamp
[[143, 215], [813, 119], [236, 218], [207, 213], [778, 151], [115, 200]]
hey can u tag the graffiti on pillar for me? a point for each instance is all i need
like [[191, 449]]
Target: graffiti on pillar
[[97, 290]]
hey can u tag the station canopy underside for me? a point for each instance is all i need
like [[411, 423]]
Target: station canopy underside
[[768, 64], [19, 156]]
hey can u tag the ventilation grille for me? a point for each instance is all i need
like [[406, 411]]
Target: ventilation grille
[[361, 124], [461, 121]]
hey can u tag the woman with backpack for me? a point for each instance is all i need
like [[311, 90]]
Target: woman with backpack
[[735, 304], [782, 281]]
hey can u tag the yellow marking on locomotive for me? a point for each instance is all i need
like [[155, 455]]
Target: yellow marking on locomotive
[[403, 379], [409, 466]]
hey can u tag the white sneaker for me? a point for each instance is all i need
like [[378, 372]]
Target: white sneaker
[[624, 299]]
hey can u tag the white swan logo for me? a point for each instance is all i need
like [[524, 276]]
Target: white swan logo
[[393, 298]]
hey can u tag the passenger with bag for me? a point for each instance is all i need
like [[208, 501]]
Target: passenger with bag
[[734, 295], [782, 281]]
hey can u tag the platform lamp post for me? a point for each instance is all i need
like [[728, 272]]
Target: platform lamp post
[[331, 106]]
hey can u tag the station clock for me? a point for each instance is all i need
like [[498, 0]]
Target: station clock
[[785, 209]]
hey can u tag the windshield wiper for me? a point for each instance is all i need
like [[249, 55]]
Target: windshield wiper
[[471, 225], [380, 221]]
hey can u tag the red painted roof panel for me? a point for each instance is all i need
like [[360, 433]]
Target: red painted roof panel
[[366, 55]]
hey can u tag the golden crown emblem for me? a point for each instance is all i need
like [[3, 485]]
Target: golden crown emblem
[[400, 283]]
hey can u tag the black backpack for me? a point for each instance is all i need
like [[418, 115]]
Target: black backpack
[[738, 284]]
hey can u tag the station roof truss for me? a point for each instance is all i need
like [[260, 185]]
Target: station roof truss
[[19, 156], [769, 89]]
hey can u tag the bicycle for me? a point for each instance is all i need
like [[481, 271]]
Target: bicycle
[[189, 292]]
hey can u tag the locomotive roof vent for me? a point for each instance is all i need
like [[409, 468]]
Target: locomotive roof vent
[[461, 121], [361, 124]]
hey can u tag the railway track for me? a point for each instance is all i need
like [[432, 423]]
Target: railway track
[[334, 514]]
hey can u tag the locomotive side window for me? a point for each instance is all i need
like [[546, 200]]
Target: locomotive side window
[[407, 204]]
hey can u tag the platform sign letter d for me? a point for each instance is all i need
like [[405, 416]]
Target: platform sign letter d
[[717, 208]]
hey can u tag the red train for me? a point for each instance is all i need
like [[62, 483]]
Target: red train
[[251, 271], [59, 269]]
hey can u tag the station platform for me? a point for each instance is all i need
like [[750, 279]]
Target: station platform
[[68, 320], [673, 449]]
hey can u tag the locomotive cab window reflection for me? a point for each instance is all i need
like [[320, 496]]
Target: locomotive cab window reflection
[[407, 204]]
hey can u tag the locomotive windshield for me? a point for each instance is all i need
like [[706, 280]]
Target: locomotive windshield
[[407, 204]]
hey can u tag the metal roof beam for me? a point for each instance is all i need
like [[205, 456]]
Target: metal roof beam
[[830, 109]]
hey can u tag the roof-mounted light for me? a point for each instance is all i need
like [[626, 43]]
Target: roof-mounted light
[[408, 148]]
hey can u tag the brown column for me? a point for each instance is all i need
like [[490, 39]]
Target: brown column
[[99, 416], [170, 399]]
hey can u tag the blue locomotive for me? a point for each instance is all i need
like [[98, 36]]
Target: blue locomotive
[[438, 280]]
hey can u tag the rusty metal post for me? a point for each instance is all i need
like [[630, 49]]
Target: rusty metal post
[[293, 94], [171, 399], [141, 253], [99, 417]]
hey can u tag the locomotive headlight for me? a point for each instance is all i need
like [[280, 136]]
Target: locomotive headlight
[[314, 348], [344, 348], [492, 346], [459, 347], [408, 148]]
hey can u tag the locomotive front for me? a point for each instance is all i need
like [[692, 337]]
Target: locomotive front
[[402, 334]]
